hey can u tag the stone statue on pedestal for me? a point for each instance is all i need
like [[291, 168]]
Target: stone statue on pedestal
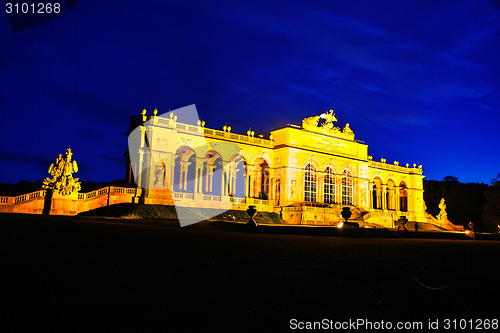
[[62, 180], [442, 216]]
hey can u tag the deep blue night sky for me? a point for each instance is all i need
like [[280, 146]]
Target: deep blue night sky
[[418, 81]]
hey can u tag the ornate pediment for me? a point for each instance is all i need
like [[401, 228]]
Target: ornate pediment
[[324, 124]]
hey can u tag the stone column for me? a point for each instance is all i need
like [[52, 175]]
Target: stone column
[[235, 175], [196, 170], [396, 198], [319, 187], [338, 189], [354, 194], [183, 176], [247, 182], [230, 178], [260, 182], [140, 170], [172, 172], [181, 173], [224, 183], [145, 182], [210, 179], [250, 176], [169, 171], [270, 189], [207, 176], [384, 199], [198, 178], [370, 195], [225, 179], [410, 200]]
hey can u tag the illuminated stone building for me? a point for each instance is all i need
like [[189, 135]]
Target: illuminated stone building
[[305, 173]]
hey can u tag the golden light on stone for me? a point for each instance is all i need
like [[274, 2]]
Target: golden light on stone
[[62, 180], [305, 174]]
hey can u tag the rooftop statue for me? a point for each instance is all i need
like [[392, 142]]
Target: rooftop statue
[[62, 180], [324, 124]]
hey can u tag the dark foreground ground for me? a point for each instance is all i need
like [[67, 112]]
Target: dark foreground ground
[[82, 274]]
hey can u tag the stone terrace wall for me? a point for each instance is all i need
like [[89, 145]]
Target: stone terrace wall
[[33, 203]]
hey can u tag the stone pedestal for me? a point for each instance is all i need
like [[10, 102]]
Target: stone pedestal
[[64, 204]]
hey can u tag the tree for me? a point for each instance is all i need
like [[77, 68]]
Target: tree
[[491, 208], [450, 179], [464, 202]]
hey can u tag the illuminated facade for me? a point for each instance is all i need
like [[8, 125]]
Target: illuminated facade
[[305, 173]]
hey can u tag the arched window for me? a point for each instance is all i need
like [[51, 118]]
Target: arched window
[[403, 197], [310, 183], [329, 186], [346, 187]]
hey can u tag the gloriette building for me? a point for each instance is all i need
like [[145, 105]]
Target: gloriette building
[[305, 173]]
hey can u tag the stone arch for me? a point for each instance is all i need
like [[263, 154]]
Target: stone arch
[[330, 164], [349, 167], [259, 158], [311, 160], [211, 173], [238, 176], [379, 176], [377, 190], [183, 144], [391, 194], [260, 179], [184, 169]]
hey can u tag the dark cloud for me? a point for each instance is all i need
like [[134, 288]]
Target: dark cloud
[[16, 157], [121, 161]]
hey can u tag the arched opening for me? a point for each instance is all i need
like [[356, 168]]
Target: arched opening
[[260, 181], [390, 195], [206, 175], [377, 194], [347, 187], [329, 186], [238, 177], [217, 175], [184, 170], [190, 174], [403, 197], [310, 183]]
